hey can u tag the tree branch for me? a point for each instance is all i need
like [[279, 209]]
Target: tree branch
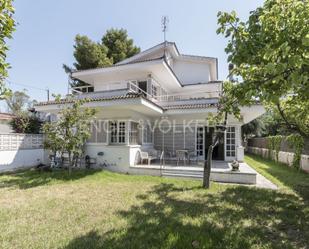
[[288, 123]]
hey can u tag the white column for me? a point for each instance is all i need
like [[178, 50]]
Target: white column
[[240, 151], [128, 128]]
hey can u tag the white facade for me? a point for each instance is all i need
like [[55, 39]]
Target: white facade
[[161, 88]]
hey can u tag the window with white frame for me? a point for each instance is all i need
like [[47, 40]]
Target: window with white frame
[[147, 134], [117, 132], [154, 90], [200, 141], [133, 135], [121, 132], [230, 142]]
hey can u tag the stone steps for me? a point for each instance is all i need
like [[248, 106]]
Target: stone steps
[[192, 174]]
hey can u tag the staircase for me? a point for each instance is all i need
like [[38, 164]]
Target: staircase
[[194, 173]]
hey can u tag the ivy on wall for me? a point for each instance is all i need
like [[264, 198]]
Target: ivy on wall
[[274, 144], [297, 142]]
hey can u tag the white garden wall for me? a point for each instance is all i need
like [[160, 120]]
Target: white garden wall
[[21, 151], [283, 157], [16, 159]]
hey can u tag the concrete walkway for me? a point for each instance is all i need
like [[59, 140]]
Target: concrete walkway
[[262, 182]]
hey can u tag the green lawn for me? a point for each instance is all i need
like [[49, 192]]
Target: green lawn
[[99, 209]]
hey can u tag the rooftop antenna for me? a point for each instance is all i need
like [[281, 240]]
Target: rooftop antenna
[[164, 24]]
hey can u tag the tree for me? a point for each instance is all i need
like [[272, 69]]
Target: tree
[[89, 54], [270, 54], [119, 45], [7, 26], [69, 133], [115, 45], [270, 59], [25, 122], [17, 102]]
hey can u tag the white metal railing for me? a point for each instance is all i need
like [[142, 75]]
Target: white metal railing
[[132, 86], [185, 96], [21, 141]]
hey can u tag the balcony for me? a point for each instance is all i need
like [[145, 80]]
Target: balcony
[[154, 94]]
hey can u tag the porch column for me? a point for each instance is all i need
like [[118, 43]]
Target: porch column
[[128, 128], [240, 151], [149, 84]]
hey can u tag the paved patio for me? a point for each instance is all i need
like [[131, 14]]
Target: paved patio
[[220, 172]]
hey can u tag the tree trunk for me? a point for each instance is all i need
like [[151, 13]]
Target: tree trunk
[[70, 164], [208, 163]]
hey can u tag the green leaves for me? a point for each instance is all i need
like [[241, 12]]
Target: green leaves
[[269, 52], [115, 46], [7, 26], [70, 132], [305, 40]]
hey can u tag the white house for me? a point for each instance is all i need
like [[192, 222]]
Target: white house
[[170, 94]]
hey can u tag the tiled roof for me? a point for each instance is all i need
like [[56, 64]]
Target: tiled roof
[[6, 116], [190, 106], [66, 101], [135, 96]]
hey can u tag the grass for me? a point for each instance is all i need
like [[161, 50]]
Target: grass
[[100, 209]]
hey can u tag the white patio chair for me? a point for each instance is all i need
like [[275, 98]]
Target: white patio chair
[[147, 157]]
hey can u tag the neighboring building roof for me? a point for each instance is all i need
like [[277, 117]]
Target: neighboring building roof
[[6, 116]]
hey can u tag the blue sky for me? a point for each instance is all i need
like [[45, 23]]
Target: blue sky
[[44, 37]]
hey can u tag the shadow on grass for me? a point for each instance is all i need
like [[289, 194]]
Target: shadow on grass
[[238, 217], [33, 178], [294, 178]]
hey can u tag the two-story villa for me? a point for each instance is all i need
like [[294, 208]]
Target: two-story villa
[[158, 99]]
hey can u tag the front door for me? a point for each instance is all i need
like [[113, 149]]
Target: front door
[[218, 151]]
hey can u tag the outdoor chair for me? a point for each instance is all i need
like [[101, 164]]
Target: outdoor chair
[[182, 155], [146, 157], [193, 158]]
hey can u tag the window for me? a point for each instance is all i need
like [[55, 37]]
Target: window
[[133, 135], [230, 142], [117, 132], [154, 90], [121, 132], [200, 141], [113, 129], [147, 134]]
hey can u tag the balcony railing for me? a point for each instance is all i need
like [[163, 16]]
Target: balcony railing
[[167, 99]]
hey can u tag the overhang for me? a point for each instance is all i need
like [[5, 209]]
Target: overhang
[[156, 67]]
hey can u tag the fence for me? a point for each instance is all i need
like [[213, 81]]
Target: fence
[[21, 141], [259, 146], [21, 150]]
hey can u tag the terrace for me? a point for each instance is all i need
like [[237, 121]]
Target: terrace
[[151, 90]]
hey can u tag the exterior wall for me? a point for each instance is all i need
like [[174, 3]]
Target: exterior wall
[[192, 72], [118, 157], [176, 138]]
